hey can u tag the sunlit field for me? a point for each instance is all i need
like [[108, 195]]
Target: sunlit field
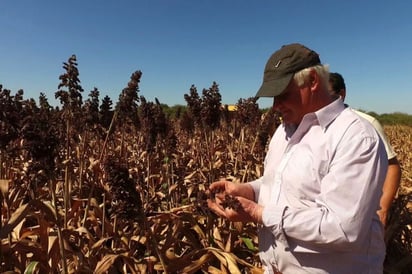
[[401, 139], [91, 188]]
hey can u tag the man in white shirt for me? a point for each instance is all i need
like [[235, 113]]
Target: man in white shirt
[[337, 86], [323, 174]]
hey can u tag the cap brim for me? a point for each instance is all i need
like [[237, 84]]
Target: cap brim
[[274, 87]]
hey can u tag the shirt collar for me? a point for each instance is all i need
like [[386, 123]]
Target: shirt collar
[[324, 116], [328, 113]]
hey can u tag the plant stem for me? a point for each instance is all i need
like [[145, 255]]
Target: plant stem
[[59, 232], [100, 159]]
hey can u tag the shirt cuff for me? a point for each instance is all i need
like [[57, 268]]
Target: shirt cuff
[[272, 218], [256, 188]]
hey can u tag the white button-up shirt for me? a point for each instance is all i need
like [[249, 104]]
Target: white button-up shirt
[[320, 191]]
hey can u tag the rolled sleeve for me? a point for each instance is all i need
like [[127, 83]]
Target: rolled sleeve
[[256, 188], [272, 218]]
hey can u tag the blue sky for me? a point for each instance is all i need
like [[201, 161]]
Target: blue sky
[[177, 43]]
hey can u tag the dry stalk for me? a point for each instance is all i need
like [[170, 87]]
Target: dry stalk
[[59, 232], [66, 192], [100, 159], [81, 163]]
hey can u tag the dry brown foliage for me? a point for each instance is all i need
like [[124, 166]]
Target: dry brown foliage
[[398, 234], [101, 200]]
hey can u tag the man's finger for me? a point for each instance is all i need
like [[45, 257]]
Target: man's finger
[[216, 208]]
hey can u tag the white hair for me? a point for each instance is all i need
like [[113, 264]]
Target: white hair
[[302, 77]]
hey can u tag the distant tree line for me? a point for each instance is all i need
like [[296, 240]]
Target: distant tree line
[[396, 118]]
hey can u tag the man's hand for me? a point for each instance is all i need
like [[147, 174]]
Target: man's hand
[[244, 210], [233, 189]]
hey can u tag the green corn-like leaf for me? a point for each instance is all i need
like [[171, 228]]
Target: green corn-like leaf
[[32, 267], [249, 244]]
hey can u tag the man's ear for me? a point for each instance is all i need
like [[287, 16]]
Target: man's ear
[[314, 80]]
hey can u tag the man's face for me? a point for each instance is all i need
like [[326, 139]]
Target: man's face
[[293, 103]]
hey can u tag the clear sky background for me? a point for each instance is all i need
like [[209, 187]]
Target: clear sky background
[[177, 43]]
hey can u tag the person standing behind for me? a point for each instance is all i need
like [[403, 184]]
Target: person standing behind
[[393, 176], [316, 203]]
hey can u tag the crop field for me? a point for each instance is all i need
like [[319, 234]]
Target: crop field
[[93, 189]]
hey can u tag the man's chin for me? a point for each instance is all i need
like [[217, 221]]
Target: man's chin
[[289, 122], [286, 119]]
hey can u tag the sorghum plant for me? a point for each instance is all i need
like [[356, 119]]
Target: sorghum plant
[[126, 203], [211, 107], [194, 105], [248, 112], [69, 93], [40, 140], [106, 112], [10, 118], [127, 105]]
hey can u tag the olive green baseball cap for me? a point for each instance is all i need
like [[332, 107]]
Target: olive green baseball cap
[[282, 65]]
